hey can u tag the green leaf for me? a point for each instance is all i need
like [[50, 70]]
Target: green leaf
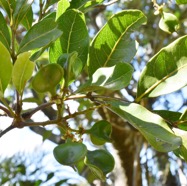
[[40, 35], [62, 7], [27, 19], [167, 66], [72, 66], [4, 32], [50, 175], [22, 71], [87, 6], [100, 133], [76, 4], [113, 42], [70, 153], [179, 2], [84, 5], [97, 172], [182, 151], [74, 38], [169, 23], [100, 163], [184, 115], [8, 6], [182, 121], [20, 12], [47, 78], [5, 67], [152, 126], [112, 78], [168, 115]]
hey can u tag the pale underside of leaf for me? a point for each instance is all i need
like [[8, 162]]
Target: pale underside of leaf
[[183, 149], [112, 78], [167, 66], [152, 126]]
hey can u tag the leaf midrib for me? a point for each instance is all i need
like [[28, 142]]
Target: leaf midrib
[[119, 39], [70, 33], [33, 40], [158, 82]]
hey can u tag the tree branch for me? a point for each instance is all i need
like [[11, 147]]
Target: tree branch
[[7, 130], [29, 114], [6, 111]]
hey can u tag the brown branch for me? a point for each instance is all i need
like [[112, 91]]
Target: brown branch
[[43, 123], [29, 114], [6, 111], [6, 130], [81, 112]]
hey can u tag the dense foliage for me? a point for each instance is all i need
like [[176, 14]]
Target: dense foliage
[[52, 56]]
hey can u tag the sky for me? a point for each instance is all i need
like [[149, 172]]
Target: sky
[[18, 140]]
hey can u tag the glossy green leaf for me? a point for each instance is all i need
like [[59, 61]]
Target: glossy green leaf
[[100, 133], [4, 32], [89, 5], [182, 151], [76, 4], [5, 67], [184, 115], [38, 53], [113, 42], [179, 2], [84, 5], [40, 35], [22, 71], [72, 66], [182, 121], [62, 7], [74, 38], [47, 78], [152, 126], [100, 163], [169, 23], [70, 153], [97, 172], [174, 118], [112, 78], [168, 115], [167, 66], [27, 19], [20, 12], [8, 6]]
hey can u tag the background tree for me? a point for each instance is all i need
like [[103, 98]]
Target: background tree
[[60, 51]]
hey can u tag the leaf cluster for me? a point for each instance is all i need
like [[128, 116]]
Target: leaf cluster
[[56, 51]]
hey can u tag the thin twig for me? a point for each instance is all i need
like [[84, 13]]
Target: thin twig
[[109, 98], [7, 130], [81, 112], [110, 2], [81, 96], [29, 114], [43, 123], [6, 111]]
